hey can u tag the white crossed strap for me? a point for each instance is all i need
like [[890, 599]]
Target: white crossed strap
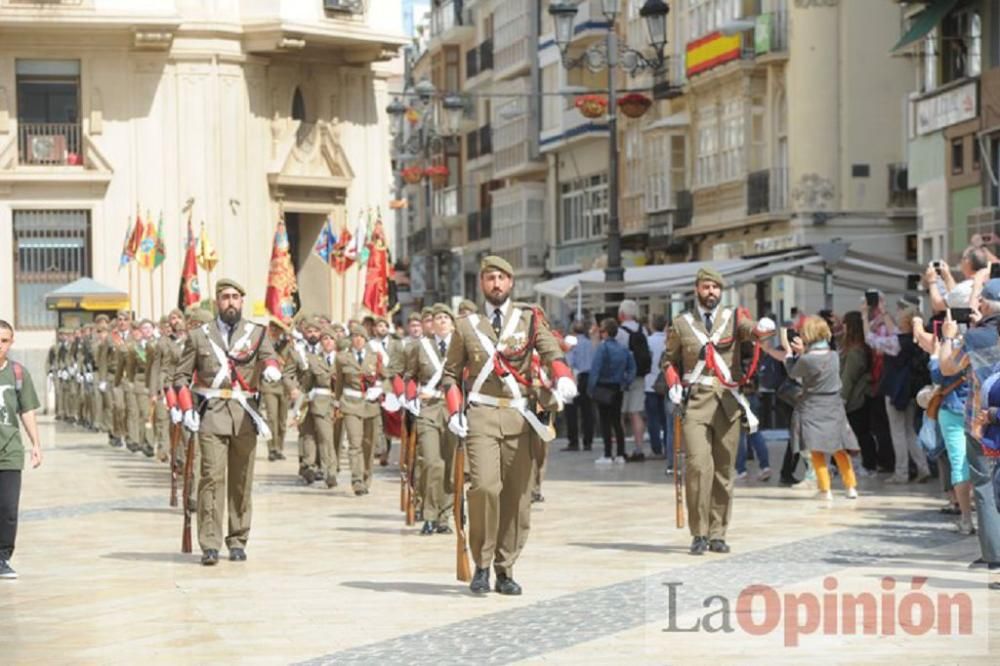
[[516, 401], [430, 389], [376, 346], [697, 374], [235, 393]]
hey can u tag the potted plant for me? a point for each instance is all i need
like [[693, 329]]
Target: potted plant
[[438, 174], [634, 105], [73, 159], [592, 106], [412, 175]]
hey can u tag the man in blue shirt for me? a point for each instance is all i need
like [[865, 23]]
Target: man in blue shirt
[[579, 359]]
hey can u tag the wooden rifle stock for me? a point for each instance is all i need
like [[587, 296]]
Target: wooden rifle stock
[[411, 460], [678, 469], [462, 570], [404, 484], [188, 474], [175, 434]]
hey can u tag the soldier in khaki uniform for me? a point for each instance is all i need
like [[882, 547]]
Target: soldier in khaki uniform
[[393, 358], [162, 363], [712, 410], [359, 390], [496, 347], [114, 357], [467, 307], [275, 395], [223, 363], [317, 384], [310, 468], [102, 398], [138, 404], [423, 373]]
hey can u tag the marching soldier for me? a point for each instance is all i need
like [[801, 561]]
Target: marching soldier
[[496, 346], [223, 363], [52, 373], [424, 371], [414, 331], [162, 361], [427, 321], [310, 466], [102, 399], [703, 371], [466, 307], [138, 404], [275, 395], [359, 390], [318, 387], [116, 353], [390, 349]]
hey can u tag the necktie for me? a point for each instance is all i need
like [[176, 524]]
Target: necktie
[[385, 344], [443, 347], [708, 322], [497, 321], [360, 358]]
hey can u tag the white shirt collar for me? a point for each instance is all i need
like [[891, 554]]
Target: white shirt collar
[[703, 311], [504, 310], [438, 339]]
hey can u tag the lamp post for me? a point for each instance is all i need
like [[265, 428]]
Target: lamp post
[[610, 55], [416, 144]]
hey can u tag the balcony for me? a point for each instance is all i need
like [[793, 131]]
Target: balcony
[[770, 36], [445, 202], [478, 143], [478, 225], [514, 47], [767, 191], [664, 225], [570, 125], [901, 195], [49, 144], [449, 24], [518, 233], [513, 149], [478, 60]]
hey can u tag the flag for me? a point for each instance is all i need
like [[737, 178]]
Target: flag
[[358, 250], [376, 296], [160, 250], [135, 238], [127, 255], [281, 288], [207, 256], [340, 257], [325, 243], [147, 247], [190, 292]]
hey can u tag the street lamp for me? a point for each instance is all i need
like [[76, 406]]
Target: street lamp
[[430, 131], [611, 55]]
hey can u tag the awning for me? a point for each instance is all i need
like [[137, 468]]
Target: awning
[[86, 294], [593, 281], [924, 22]]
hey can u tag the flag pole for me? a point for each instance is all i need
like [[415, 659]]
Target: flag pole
[[138, 280], [152, 296]]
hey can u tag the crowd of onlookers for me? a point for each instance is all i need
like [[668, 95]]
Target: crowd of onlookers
[[890, 388]]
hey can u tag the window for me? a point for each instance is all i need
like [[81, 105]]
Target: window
[[731, 156], [976, 154], [707, 16], [666, 159], [48, 111], [584, 203], [961, 45], [957, 156], [708, 130], [51, 249]]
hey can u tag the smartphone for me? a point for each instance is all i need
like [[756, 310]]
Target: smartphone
[[961, 315], [937, 329], [937, 267], [791, 334], [994, 271], [872, 298]]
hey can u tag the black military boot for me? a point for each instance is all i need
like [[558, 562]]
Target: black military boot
[[480, 581], [506, 585]]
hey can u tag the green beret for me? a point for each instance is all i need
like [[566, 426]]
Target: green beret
[[441, 308], [426, 312], [279, 323], [228, 283], [710, 275], [164, 320], [414, 316], [359, 330], [495, 263], [327, 331], [384, 320], [467, 306], [200, 315]]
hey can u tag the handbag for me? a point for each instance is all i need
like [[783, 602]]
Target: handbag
[[934, 404], [789, 392], [603, 395]]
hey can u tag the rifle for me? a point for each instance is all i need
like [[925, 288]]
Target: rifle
[[404, 474], [188, 474], [678, 468], [411, 470], [175, 435], [462, 571]]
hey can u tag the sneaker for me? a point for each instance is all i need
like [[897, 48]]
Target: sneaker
[[6, 572], [897, 480], [603, 460], [852, 493], [804, 484], [765, 474], [620, 460], [668, 471], [965, 526], [741, 475], [864, 472], [826, 495], [923, 477]]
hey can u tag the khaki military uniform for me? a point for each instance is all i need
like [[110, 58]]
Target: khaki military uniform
[[499, 441], [711, 417], [228, 433], [317, 385], [88, 387], [162, 362], [117, 356], [137, 406], [308, 455], [393, 358], [362, 418], [274, 396], [51, 372], [435, 443]]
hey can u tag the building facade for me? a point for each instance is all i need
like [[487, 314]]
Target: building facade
[[245, 108]]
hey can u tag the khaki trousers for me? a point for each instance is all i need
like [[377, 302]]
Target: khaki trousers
[[710, 445], [436, 446], [100, 408], [218, 453], [499, 496], [137, 409], [361, 434], [338, 441], [323, 428], [161, 426], [276, 410], [119, 408], [307, 443], [540, 455]]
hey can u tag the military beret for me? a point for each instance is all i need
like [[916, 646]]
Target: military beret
[[467, 306], [147, 321], [164, 320], [710, 275], [279, 323], [414, 316], [495, 263], [337, 326], [427, 312], [359, 330], [327, 331], [124, 313], [313, 322], [229, 283], [101, 318], [199, 315], [102, 327], [175, 311], [382, 320], [441, 308]]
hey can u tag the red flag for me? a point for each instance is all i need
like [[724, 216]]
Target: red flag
[[135, 240], [281, 286], [342, 256], [376, 297], [190, 291]]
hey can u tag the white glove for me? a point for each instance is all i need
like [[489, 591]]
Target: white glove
[[676, 394], [566, 389], [192, 421], [176, 416], [391, 403], [413, 406], [766, 325], [79, 379], [272, 374], [459, 425], [373, 394], [88, 377], [102, 387], [570, 341]]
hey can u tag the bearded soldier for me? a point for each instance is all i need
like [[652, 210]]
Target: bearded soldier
[[223, 363], [496, 346]]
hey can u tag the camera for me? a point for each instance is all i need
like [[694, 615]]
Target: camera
[[994, 271], [961, 315], [872, 297]]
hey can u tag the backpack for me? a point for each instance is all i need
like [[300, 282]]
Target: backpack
[[639, 347]]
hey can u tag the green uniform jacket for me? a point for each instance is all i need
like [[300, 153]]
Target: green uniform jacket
[[162, 363], [420, 368], [320, 376], [350, 375]]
